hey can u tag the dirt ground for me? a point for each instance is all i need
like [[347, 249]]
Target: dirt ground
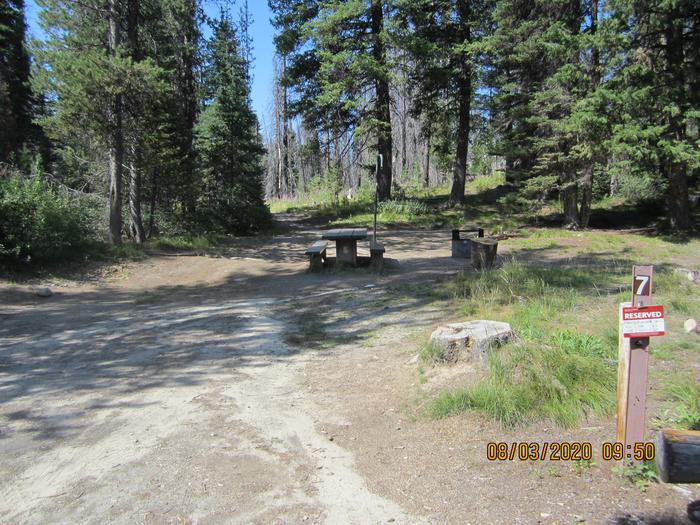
[[180, 389]]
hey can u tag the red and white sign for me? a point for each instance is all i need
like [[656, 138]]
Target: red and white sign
[[643, 322]]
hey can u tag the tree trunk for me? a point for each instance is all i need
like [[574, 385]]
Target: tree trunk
[[586, 195], [677, 172], [116, 141], [465, 99], [187, 99], [154, 200], [426, 162], [569, 197], [678, 201], [136, 222], [135, 219], [278, 143], [404, 130], [382, 103], [589, 171], [285, 130]]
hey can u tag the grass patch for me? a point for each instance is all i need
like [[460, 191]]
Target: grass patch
[[553, 372], [562, 380], [193, 243], [485, 183], [126, 251], [563, 368], [413, 212], [431, 353], [684, 391]]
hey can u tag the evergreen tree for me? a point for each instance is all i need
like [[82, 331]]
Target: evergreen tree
[[517, 66], [231, 152], [340, 68], [658, 96], [351, 38], [100, 80], [15, 93], [568, 113], [173, 42], [444, 38], [551, 101]]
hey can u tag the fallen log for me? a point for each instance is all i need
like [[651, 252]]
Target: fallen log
[[678, 456]]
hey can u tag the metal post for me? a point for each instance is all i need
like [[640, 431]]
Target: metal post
[[380, 164]]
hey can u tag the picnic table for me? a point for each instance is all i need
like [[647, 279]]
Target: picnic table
[[346, 243]]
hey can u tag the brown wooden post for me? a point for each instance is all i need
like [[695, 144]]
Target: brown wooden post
[[633, 366]]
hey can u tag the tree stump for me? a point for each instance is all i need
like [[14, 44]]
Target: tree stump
[[483, 253], [678, 456]]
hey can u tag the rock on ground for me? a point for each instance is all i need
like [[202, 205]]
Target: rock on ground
[[44, 292], [691, 275], [471, 339], [691, 326]]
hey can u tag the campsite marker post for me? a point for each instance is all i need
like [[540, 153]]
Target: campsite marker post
[[639, 320], [380, 164]]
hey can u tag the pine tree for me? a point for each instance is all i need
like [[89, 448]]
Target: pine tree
[[550, 106], [340, 68], [100, 83], [230, 148], [658, 96], [444, 38], [518, 64], [564, 108], [173, 41], [15, 92]]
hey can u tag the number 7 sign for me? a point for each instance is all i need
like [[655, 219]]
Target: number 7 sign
[[642, 285], [638, 321]]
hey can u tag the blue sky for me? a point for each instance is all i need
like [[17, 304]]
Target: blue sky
[[263, 52]]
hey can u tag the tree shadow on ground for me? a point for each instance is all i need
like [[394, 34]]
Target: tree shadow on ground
[[107, 347], [666, 518]]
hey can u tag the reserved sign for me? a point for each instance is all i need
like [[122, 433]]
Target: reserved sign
[[643, 322]]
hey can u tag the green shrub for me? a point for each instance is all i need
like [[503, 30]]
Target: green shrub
[[239, 211], [37, 223], [636, 188]]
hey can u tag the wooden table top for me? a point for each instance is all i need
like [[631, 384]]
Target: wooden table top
[[350, 234]]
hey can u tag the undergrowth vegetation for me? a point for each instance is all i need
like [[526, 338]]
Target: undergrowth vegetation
[[551, 372], [561, 368], [37, 223], [684, 392]]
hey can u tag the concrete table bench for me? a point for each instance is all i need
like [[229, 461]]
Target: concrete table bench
[[346, 243], [376, 256], [317, 255]]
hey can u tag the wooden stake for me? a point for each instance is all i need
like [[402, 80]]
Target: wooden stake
[[633, 368]]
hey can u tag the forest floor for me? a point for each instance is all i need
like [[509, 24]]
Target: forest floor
[[242, 389]]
